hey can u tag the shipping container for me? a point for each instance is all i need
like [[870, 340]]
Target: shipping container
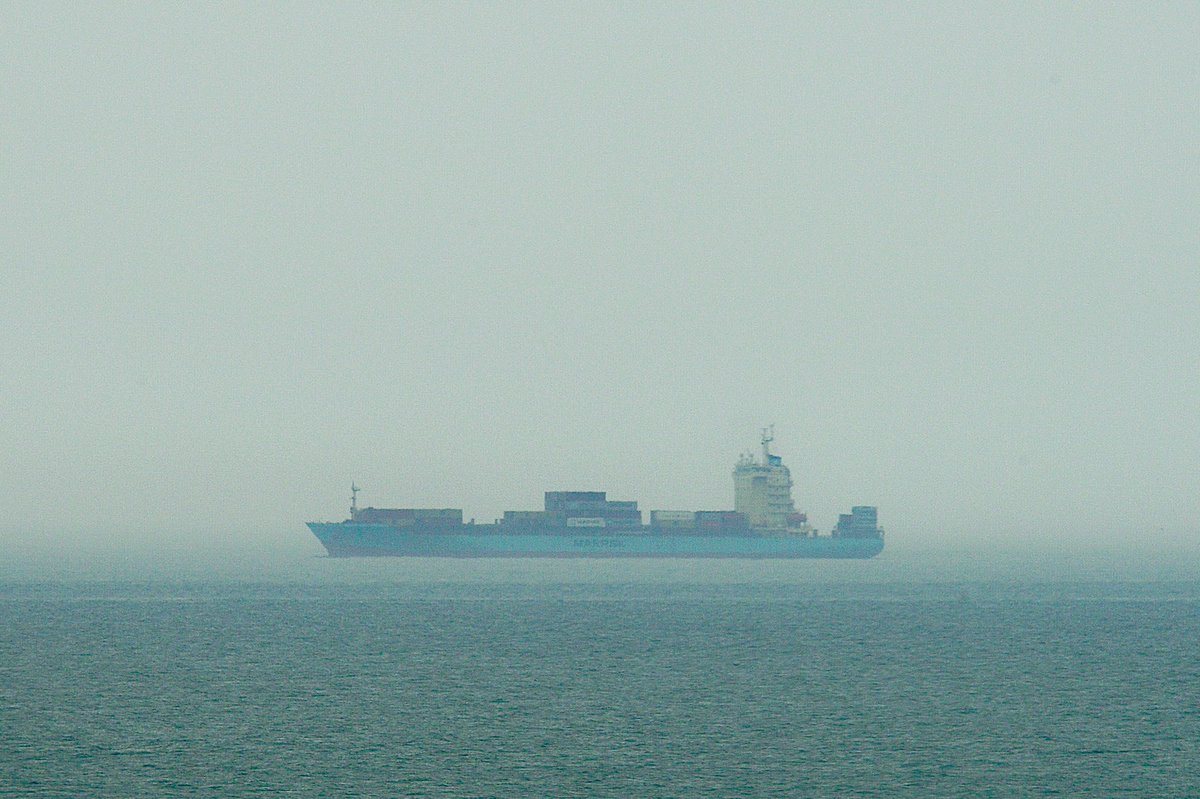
[[439, 522], [431, 513], [730, 520], [727, 515], [622, 514], [673, 515], [385, 515], [581, 507], [532, 518], [861, 522], [625, 520], [558, 500]]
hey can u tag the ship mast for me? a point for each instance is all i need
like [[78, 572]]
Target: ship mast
[[768, 435], [353, 500]]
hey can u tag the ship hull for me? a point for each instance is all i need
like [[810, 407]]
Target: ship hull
[[348, 539]]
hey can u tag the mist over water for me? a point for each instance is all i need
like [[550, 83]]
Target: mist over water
[[465, 254], [900, 567]]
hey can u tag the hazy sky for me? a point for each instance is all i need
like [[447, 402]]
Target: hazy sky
[[463, 254]]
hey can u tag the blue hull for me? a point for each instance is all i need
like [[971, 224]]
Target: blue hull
[[358, 540]]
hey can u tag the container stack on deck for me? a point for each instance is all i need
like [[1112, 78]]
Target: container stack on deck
[[407, 517], [763, 524], [577, 509], [762, 498], [861, 522]]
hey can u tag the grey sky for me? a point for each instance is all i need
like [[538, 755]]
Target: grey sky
[[463, 254]]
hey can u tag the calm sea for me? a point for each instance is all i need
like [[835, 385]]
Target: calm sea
[[635, 679]]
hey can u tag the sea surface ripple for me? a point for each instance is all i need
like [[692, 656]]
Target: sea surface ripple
[[612, 689]]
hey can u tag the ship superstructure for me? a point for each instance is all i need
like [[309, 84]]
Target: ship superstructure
[[763, 524], [762, 490]]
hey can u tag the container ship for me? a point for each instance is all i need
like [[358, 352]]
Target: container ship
[[587, 524]]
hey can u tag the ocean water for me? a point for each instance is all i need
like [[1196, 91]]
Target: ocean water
[[634, 679]]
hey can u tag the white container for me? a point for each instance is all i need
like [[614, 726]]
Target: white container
[[673, 515]]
